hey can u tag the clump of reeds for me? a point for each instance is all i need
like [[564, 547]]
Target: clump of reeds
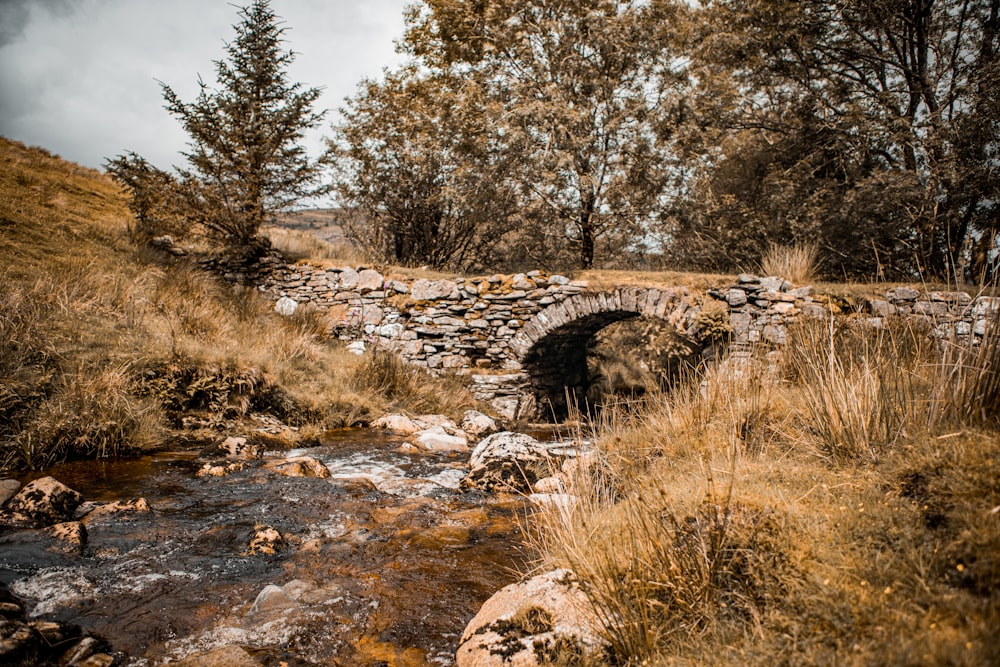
[[408, 387], [860, 384], [797, 263], [967, 387], [659, 572], [87, 415]]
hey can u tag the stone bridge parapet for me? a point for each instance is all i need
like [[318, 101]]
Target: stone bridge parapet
[[522, 338]]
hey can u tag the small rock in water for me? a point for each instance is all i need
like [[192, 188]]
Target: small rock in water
[[266, 541], [119, 509], [70, 536], [397, 422], [299, 466], [41, 503], [436, 439], [8, 487], [478, 425], [225, 656], [239, 449], [209, 470], [271, 602]]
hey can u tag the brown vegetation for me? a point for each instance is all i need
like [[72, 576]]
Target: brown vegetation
[[104, 345], [834, 508]]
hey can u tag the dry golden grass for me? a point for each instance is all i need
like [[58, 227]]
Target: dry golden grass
[[796, 263], [99, 338], [297, 244], [719, 525], [600, 279]]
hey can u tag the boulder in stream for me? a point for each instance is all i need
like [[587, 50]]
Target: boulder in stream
[[478, 425], [437, 439], [510, 462], [531, 623], [41, 503], [299, 466]]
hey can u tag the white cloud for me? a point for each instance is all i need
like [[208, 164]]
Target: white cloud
[[81, 78]]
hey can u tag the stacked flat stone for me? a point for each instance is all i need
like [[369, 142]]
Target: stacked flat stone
[[520, 338]]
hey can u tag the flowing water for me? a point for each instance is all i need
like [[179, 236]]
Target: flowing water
[[386, 561]]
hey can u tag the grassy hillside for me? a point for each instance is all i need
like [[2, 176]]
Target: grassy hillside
[[106, 348], [839, 508]]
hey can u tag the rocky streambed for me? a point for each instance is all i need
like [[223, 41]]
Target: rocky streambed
[[375, 548]]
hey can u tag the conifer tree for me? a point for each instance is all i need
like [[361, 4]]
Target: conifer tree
[[245, 152]]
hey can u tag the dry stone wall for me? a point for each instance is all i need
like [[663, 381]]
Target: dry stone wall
[[522, 337]]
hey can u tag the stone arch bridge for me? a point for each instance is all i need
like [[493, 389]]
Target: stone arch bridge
[[521, 340]]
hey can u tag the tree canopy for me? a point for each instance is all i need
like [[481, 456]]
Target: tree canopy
[[246, 159], [868, 125], [562, 110]]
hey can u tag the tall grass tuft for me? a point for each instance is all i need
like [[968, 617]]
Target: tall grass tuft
[[967, 387], [659, 574], [798, 263], [860, 386], [409, 388], [88, 415]]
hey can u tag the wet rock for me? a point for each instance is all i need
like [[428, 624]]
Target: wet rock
[[118, 510], [478, 425], [225, 656], [41, 503], [70, 536], [508, 462], [358, 484], [532, 623], [436, 439], [209, 470], [398, 423], [238, 449], [42, 642], [271, 602], [266, 541], [8, 487], [86, 653], [299, 466]]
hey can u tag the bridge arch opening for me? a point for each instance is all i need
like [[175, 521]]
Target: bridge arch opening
[[554, 347]]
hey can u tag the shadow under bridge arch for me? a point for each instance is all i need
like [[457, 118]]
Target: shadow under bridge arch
[[552, 347]]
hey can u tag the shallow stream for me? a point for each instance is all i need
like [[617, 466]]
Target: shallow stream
[[385, 563]]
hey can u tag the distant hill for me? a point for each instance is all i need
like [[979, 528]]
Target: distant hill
[[325, 224]]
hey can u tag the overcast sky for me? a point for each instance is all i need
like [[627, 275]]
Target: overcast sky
[[79, 77]]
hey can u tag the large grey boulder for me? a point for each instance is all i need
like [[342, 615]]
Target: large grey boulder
[[532, 623], [510, 462]]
